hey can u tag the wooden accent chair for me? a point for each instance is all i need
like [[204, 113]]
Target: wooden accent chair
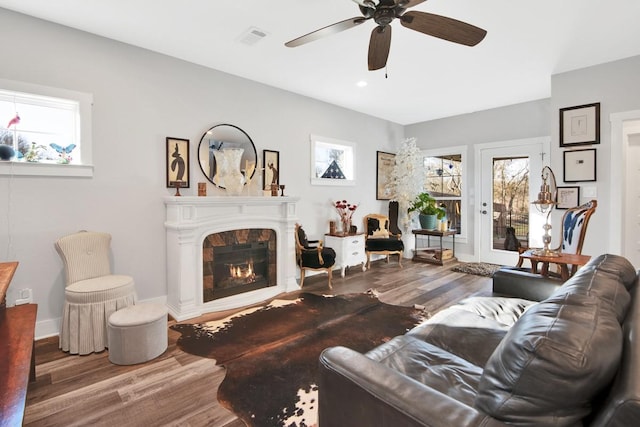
[[312, 255], [379, 240], [92, 293], [573, 230]]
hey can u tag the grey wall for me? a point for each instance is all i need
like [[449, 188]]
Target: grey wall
[[140, 98], [519, 121], [616, 85]]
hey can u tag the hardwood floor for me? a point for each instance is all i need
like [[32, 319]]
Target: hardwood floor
[[179, 389]]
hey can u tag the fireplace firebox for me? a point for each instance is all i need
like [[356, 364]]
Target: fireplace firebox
[[238, 261]]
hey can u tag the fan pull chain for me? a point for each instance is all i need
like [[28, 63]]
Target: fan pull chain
[[386, 75]]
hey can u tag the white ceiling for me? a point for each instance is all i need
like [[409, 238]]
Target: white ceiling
[[428, 78]]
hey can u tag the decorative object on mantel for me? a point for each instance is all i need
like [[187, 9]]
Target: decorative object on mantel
[[282, 190], [580, 125], [345, 210], [266, 354], [271, 171], [248, 171], [407, 179], [227, 137], [202, 189], [177, 154], [177, 186], [228, 174]]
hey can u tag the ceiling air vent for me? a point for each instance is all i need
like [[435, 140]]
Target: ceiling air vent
[[252, 36]]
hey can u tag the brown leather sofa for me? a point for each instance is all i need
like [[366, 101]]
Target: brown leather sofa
[[537, 353]]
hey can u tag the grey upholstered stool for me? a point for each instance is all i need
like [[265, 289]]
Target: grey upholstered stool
[[137, 333]]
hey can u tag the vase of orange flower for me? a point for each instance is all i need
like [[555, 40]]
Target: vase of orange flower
[[345, 210]]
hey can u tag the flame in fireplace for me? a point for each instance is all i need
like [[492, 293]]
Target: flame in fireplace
[[242, 271]]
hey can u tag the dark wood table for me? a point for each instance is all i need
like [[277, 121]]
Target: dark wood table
[[17, 357], [429, 249], [562, 260]]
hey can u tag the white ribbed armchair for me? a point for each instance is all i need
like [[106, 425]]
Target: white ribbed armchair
[[92, 293]]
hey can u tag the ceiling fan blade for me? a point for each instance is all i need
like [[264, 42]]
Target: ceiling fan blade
[[379, 46], [443, 27], [326, 31]]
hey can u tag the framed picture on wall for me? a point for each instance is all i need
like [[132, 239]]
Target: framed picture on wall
[[580, 125], [579, 165], [384, 166], [333, 162], [271, 171], [177, 162], [568, 197]]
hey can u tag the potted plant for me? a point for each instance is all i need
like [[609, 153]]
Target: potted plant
[[428, 211]]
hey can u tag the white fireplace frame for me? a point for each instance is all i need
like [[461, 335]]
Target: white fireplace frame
[[191, 219]]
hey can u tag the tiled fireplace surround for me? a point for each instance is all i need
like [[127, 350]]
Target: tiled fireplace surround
[[189, 220]]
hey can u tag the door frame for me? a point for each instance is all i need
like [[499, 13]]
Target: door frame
[[534, 181], [618, 169]]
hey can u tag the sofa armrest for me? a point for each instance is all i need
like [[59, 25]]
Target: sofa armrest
[[513, 282], [357, 391]]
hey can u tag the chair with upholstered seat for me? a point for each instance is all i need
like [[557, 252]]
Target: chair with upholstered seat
[[92, 293], [379, 240], [573, 231], [312, 255]]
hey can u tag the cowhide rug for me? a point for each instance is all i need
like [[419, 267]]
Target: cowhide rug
[[271, 353]]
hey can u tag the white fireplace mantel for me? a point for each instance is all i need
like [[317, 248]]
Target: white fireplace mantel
[[191, 219]]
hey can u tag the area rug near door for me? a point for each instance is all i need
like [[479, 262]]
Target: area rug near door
[[477, 268], [271, 353]]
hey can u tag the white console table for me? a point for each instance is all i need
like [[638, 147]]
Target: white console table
[[349, 250]]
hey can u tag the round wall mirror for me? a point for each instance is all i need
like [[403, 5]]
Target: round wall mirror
[[220, 137]]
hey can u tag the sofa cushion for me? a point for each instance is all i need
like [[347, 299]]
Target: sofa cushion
[[616, 265], [473, 328], [431, 366], [551, 363], [602, 285]]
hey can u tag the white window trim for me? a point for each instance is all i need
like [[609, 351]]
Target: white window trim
[[85, 169], [315, 139], [463, 151]]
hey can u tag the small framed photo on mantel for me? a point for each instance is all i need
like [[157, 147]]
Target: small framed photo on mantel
[[580, 125], [177, 162], [271, 171]]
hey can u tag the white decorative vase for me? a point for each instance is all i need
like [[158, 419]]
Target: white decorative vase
[[228, 173]]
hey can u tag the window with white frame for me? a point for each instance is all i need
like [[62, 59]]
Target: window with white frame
[[444, 178], [46, 128], [332, 161]]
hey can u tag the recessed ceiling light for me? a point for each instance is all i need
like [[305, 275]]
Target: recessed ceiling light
[[361, 83]]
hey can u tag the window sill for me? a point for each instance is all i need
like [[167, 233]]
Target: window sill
[[45, 169]]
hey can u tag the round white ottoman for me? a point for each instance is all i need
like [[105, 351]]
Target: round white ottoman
[[137, 334]]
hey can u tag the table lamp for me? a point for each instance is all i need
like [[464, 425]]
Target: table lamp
[[544, 204]]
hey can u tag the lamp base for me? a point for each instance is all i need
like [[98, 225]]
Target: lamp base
[[546, 253]]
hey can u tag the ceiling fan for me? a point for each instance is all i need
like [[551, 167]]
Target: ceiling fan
[[383, 12]]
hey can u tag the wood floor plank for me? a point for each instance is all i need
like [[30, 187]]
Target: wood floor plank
[[179, 389]]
